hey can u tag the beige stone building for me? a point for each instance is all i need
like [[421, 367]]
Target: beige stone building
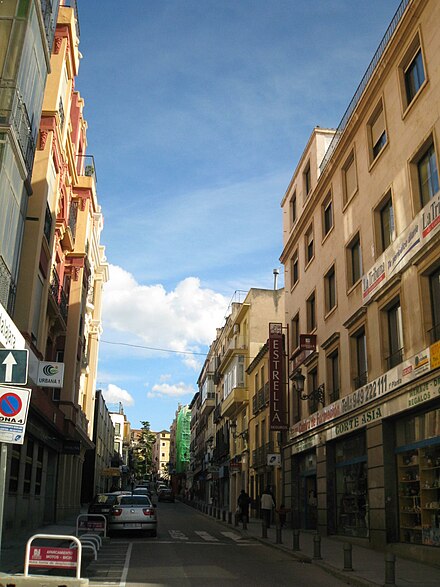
[[161, 455], [361, 221]]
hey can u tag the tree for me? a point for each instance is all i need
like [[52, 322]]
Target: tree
[[143, 451]]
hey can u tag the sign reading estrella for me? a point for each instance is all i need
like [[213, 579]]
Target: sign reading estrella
[[278, 413]]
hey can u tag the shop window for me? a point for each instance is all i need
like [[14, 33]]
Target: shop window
[[418, 474], [349, 177], [309, 245], [330, 289], [311, 313], [352, 487], [327, 216], [434, 287], [385, 226], [354, 260], [359, 356], [427, 172], [395, 334], [333, 375]]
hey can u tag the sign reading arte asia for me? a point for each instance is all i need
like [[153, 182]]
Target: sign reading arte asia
[[386, 383], [421, 230], [277, 410]]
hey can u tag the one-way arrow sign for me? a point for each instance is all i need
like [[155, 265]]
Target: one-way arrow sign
[[13, 366]]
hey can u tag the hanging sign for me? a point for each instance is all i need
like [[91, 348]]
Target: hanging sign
[[277, 410]]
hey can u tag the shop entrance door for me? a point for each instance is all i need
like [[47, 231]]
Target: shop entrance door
[[309, 502]]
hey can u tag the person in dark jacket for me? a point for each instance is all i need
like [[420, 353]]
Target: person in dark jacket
[[243, 503]]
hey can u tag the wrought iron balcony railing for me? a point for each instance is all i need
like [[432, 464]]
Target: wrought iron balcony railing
[[360, 380], [395, 359]]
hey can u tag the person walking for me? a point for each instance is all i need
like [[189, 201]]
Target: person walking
[[243, 502], [267, 504]]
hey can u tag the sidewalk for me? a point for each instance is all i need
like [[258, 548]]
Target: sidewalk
[[368, 565], [13, 550]]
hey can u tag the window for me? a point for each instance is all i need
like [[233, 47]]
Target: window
[[434, 287], [359, 350], [310, 249], [312, 385], [349, 178], [307, 180], [118, 429], [327, 216], [395, 334], [377, 132], [294, 271], [311, 313], [414, 76], [354, 260], [15, 468], [330, 289], [387, 232], [28, 467], [295, 332], [293, 212], [333, 375], [428, 175]]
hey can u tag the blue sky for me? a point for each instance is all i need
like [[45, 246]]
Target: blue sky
[[198, 111]]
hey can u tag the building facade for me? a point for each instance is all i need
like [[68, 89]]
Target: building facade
[[161, 455], [361, 256]]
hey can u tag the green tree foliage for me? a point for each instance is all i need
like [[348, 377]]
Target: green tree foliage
[[143, 451]]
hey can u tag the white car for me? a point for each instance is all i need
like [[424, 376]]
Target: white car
[[133, 512]]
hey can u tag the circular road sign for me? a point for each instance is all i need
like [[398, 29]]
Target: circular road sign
[[10, 404]]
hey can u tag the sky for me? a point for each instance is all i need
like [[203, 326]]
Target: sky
[[198, 112]]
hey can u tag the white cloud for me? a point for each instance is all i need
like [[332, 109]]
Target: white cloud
[[114, 394], [148, 315], [166, 390]]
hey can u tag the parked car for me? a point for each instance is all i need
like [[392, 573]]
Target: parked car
[[133, 512], [142, 490], [102, 503], [165, 494]]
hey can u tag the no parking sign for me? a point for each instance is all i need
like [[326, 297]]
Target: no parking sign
[[14, 406]]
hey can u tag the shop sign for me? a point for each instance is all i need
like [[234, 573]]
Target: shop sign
[[307, 342], [434, 351], [399, 254], [10, 336], [277, 411], [50, 374], [358, 421], [111, 472], [58, 558], [386, 383], [305, 444], [274, 460]]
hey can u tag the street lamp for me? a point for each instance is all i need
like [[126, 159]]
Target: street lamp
[[233, 428], [317, 394]]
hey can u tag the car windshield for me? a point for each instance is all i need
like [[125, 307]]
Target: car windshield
[[104, 498], [129, 500]]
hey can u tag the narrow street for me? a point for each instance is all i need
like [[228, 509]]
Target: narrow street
[[194, 550]]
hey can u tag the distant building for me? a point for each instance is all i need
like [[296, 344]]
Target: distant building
[[161, 454]]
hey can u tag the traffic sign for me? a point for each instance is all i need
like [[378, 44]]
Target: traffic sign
[[14, 366], [14, 406]]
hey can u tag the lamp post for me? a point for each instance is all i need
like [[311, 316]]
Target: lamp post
[[317, 394]]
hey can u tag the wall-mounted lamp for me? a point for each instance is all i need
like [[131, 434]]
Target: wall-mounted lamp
[[317, 394], [233, 428]]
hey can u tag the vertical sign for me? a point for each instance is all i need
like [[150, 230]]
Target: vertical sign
[[278, 412]]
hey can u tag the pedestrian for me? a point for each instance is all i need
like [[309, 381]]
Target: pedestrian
[[243, 503], [267, 504]]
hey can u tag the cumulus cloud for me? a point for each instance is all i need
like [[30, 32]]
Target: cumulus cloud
[[180, 320], [114, 394], [166, 390]]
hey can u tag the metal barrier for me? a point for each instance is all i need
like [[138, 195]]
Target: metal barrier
[[90, 525]]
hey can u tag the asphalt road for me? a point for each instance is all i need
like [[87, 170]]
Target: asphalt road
[[192, 550]]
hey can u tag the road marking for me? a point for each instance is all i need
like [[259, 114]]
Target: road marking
[[232, 535], [126, 566], [177, 535], [206, 536]]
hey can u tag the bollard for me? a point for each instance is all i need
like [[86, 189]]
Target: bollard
[[390, 569], [317, 546], [348, 565], [278, 534], [263, 530], [296, 539], [229, 517]]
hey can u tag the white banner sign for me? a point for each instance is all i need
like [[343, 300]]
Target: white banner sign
[[50, 374]]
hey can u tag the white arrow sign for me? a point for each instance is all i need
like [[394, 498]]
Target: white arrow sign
[[9, 363]]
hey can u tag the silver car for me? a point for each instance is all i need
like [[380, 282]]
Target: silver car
[[133, 512]]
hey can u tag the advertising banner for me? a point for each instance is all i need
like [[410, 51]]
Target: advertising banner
[[277, 410]]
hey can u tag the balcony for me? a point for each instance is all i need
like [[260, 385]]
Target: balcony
[[360, 380], [259, 456], [208, 404], [58, 295], [8, 288], [231, 403], [395, 359], [260, 399], [434, 333], [217, 413]]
